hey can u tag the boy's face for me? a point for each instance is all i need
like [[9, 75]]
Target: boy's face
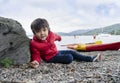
[[42, 34]]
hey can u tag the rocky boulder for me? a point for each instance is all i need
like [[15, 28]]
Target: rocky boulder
[[14, 43]]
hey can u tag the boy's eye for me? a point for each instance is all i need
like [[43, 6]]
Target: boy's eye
[[37, 31], [44, 30]]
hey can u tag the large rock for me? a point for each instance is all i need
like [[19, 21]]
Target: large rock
[[14, 44]]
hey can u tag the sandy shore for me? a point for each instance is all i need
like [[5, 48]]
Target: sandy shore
[[106, 71]]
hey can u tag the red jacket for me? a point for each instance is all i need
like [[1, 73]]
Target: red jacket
[[44, 49]]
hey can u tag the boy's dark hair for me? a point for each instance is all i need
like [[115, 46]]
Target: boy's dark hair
[[39, 23]]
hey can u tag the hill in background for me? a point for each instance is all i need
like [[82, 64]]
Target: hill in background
[[112, 29]]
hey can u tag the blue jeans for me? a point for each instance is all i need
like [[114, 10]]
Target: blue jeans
[[67, 56]]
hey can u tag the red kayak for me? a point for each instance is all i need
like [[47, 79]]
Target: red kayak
[[103, 47], [95, 47]]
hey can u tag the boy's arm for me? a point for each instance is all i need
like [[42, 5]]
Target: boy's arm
[[57, 37], [35, 54]]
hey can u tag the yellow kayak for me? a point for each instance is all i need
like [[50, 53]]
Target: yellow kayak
[[95, 47], [83, 46]]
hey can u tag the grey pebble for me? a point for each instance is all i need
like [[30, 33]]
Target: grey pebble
[[106, 71]]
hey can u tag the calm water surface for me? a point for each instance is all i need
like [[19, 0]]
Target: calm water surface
[[85, 39]]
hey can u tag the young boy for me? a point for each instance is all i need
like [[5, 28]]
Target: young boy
[[43, 47]]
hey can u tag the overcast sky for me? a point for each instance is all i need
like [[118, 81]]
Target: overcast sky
[[63, 15]]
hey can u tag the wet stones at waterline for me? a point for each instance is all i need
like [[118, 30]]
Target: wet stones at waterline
[[14, 44]]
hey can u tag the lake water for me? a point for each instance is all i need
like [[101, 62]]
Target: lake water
[[85, 39]]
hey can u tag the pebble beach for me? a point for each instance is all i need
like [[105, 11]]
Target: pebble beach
[[105, 71]]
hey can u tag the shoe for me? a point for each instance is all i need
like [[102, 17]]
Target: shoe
[[34, 64], [97, 58]]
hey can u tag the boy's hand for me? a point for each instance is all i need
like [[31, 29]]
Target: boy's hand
[[34, 64]]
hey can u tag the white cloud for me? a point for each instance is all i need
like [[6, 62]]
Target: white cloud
[[63, 15]]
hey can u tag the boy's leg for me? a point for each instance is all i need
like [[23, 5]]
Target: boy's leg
[[97, 57], [77, 56], [61, 58]]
